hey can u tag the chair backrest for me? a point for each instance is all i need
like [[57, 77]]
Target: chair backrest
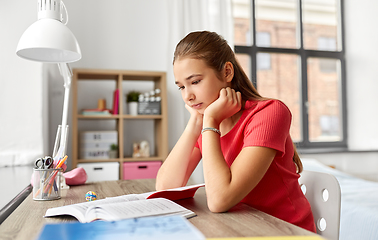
[[322, 190]]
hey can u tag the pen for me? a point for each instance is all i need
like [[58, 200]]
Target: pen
[[51, 181]]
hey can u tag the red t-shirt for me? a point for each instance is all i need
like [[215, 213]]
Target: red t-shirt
[[267, 124]]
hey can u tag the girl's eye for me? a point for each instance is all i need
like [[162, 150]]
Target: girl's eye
[[196, 82], [181, 88]]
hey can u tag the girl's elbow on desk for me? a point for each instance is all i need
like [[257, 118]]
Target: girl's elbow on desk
[[158, 186], [161, 184], [164, 185], [219, 205]]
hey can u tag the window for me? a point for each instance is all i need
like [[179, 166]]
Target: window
[[293, 51], [326, 44], [263, 59]]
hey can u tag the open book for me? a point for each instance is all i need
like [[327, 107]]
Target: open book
[[129, 206], [171, 194]]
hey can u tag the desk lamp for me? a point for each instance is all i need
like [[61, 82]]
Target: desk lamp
[[49, 40]]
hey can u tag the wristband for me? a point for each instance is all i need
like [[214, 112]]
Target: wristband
[[210, 129]]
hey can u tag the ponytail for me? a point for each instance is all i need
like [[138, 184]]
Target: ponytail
[[297, 160]]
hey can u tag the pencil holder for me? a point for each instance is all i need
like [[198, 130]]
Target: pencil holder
[[46, 184]]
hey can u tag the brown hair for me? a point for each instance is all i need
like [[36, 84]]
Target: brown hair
[[215, 51]]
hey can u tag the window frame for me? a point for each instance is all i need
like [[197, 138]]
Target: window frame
[[304, 54]]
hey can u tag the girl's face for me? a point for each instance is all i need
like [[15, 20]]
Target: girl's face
[[198, 83]]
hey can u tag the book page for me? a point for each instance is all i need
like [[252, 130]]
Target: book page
[[75, 211], [129, 197], [134, 209]]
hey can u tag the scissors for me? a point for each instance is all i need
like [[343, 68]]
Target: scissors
[[43, 163]]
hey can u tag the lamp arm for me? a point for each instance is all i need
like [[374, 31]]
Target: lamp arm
[[66, 72]]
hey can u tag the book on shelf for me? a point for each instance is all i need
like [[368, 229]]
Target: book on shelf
[[95, 112], [115, 102], [130, 206], [161, 227]]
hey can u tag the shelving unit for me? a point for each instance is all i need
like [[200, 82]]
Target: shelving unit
[[119, 77]]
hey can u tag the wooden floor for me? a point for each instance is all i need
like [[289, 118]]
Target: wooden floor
[[12, 181]]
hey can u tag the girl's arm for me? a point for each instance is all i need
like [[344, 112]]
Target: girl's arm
[[183, 158], [225, 186]]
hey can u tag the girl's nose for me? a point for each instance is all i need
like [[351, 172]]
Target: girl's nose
[[188, 96]]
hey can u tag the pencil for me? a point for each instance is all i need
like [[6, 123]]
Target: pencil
[[51, 181]]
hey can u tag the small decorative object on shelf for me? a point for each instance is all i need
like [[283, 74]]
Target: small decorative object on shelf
[[132, 102], [150, 103], [141, 149], [101, 104], [113, 152]]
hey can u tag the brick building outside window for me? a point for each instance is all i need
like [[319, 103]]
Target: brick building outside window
[[297, 57]]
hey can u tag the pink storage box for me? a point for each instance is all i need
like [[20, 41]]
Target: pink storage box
[[140, 170]]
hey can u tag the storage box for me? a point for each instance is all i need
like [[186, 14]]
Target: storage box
[[96, 144], [98, 136], [94, 154], [101, 171], [140, 170]]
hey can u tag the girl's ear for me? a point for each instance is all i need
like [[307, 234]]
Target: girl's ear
[[228, 71]]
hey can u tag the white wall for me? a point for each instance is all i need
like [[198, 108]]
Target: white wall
[[362, 73], [21, 95]]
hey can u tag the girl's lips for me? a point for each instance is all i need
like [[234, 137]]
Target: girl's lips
[[197, 106]]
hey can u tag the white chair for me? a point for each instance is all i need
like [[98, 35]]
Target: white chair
[[322, 190]]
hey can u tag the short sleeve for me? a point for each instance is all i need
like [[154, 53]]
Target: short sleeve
[[197, 144], [269, 126]]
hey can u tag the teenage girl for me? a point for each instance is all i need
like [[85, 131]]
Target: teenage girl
[[242, 138]]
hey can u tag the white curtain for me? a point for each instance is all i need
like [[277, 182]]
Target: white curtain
[[186, 16]]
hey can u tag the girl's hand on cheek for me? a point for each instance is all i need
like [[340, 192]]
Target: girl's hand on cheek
[[193, 112], [228, 103], [195, 116]]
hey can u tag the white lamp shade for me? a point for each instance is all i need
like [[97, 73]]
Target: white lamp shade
[[49, 40]]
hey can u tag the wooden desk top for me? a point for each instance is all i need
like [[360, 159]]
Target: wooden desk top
[[241, 221]]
